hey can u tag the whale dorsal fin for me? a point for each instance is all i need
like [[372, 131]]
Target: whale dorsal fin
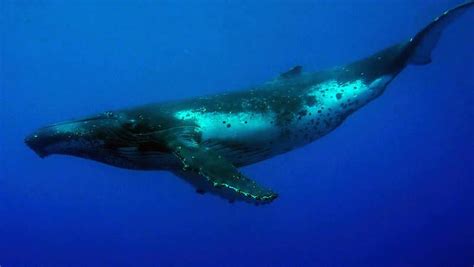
[[293, 72], [212, 172]]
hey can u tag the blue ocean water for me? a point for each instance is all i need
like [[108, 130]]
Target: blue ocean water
[[392, 186]]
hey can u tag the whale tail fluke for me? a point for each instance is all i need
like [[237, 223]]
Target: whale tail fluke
[[425, 41]]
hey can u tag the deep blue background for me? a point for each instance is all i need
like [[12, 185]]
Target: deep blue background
[[392, 186]]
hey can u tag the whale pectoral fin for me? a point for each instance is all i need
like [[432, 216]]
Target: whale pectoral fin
[[220, 175]]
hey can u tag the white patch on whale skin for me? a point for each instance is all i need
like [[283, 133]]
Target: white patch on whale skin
[[233, 126], [334, 101], [375, 89], [331, 94]]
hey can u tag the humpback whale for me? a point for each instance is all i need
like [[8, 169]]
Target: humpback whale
[[206, 139]]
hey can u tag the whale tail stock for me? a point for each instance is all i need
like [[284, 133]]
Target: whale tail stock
[[419, 47]]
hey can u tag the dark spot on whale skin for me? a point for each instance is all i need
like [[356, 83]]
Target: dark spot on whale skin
[[223, 122], [302, 113], [228, 125], [310, 100], [245, 122], [338, 96]]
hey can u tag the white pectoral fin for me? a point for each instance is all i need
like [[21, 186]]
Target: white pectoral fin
[[219, 176]]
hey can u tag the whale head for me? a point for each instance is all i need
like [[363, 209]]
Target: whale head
[[126, 139], [84, 137]]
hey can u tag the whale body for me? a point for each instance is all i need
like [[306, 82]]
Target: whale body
[[205, 140]]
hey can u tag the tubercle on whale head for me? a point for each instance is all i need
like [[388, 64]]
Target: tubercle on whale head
[[82, 137], [106, 137], [71, 137]]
